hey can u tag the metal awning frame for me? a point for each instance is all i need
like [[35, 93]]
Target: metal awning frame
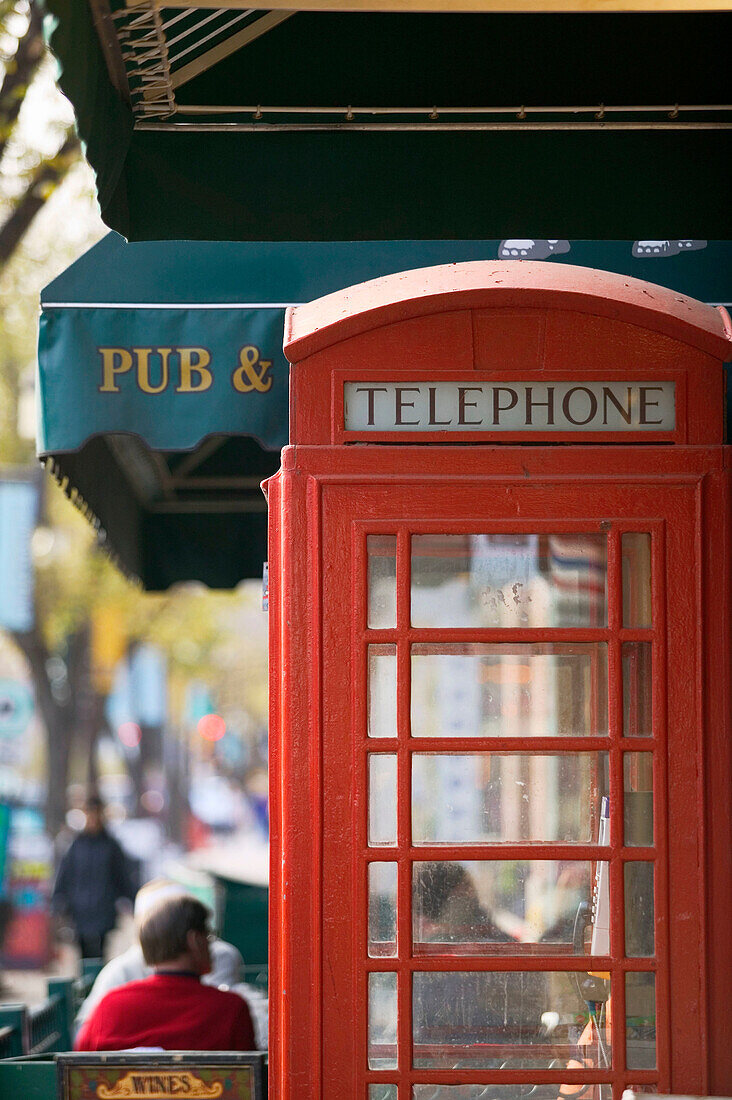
[[145, 46], [148, 47]]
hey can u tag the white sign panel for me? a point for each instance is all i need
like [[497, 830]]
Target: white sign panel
[[473, 406]]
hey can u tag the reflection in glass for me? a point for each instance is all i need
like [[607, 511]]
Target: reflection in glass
[[511, 1092], [382, 798], [493, 1020], [637, 690], [541, 689], [382, 910], [638, 798], [636, 555], [382, 691], [382, 1092], [509, 580], [640, 1021], [639, 909], [381, 550], [481, 907], [513, 797], [382, 1021]]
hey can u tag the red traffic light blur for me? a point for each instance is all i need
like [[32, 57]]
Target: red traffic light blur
[[211, 727]]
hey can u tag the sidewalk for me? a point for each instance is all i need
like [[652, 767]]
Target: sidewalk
[[29, 986]]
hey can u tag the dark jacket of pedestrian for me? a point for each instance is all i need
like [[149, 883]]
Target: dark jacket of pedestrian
[[92, 877]]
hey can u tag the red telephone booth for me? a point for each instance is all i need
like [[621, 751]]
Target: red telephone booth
[[500, 611]]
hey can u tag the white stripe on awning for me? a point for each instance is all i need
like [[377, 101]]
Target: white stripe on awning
[[169, 305], [209, 305]]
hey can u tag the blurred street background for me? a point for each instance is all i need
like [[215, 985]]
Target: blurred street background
[[157, 702]]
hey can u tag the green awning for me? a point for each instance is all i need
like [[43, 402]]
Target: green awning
[[364, 125], [163, 389], [171, 341], [172, 477]]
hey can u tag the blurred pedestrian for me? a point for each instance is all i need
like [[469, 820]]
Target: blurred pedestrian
[[92, 877], [172, 1009]]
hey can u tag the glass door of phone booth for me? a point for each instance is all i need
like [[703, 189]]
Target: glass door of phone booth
[[505, 915]]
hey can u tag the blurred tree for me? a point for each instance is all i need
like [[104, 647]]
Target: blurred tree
[[76, 585], [36, 175], [47, 218], [38, 148]]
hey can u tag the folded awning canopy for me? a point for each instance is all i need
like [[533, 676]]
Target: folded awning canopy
[[400, 119], [163, 390]]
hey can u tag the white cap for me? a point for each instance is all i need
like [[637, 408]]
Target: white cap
[[154, 892]]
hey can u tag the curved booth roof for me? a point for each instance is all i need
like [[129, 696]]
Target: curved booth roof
[[528, 284]]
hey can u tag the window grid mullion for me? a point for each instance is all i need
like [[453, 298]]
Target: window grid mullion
[[616, 869], [404, 816], [404, 636]]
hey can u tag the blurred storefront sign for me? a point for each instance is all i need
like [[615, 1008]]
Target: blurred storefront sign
[[108, 643], [150, 1075], [28, 886], [16, 711], [148, 674], [21, 731], [19, 504], [198, 702]]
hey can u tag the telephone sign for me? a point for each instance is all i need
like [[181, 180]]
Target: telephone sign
[[472, 405]]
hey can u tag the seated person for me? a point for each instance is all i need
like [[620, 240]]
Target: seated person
[[476, 1018], [171, 1009], [226, 962], [226, 965], [446, 907]]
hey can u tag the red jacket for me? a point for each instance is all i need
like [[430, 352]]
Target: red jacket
[[172, 1011]]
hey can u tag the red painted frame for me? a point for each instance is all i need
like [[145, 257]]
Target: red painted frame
[[406, 635], [322, 505], [310, 788]]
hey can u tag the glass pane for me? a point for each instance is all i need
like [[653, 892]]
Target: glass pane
[[482, 907], [541, 689], [509, 580], [505, 1020], [382, 1092], [382, 909], [640, 1021], [637, 690], [382, 1021], [638, 798], [511, 1092], [382, 691], [639, 910], [636, 553], [381, 551], [382, 798], [491, 797]]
